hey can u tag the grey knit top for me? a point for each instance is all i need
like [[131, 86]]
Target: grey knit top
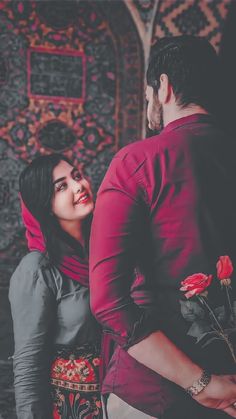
[[48, 309]]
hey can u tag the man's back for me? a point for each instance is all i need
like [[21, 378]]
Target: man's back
[[167, 204], [191, 218]]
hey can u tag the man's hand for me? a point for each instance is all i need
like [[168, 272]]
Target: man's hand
[[162, 356], [220, 394]]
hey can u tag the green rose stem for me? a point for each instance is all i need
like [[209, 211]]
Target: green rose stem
[[220, 331], [229, 301]]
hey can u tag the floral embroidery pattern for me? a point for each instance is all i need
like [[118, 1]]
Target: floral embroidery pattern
[[209, 324], [75, 386], [78, 370]]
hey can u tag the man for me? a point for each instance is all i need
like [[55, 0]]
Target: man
[[167, 205]]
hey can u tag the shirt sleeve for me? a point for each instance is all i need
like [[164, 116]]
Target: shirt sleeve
[[33, 308], [119, 212]]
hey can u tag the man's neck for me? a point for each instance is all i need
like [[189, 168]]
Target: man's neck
[[173, 113]]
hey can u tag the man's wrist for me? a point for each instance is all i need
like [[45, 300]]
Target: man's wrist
[[199, 385], [189, 373]]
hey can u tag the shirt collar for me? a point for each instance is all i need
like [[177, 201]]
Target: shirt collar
[[196, 117]]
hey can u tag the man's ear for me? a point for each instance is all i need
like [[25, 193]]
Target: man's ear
[[165, 90]]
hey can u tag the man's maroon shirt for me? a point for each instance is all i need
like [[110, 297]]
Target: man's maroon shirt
[[167, 205]]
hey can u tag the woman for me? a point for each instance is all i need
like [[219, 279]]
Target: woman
[[57, 341]]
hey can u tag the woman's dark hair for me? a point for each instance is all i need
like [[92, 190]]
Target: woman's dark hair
[[193, 69], [36, 189]]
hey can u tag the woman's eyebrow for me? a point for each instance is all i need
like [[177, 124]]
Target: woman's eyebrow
[[73, 171], [59, 180], [64, 177]]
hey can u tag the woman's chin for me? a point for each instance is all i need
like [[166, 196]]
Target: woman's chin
[[85, 210]]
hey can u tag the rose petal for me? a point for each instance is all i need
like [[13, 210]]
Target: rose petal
[[195, 284]]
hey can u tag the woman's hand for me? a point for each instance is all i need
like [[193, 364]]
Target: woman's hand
[[220, 394]]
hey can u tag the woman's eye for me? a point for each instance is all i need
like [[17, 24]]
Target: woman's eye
[[77, 176], [61, 187]]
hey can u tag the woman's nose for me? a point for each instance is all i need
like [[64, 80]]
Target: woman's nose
[[77, 187]]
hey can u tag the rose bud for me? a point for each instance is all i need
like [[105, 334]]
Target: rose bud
[[225, 269]]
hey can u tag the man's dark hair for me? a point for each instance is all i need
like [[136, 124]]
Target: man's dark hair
[[192, 66], [37, 189]]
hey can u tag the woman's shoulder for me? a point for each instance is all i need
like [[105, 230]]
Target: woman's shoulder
[[33, 261], [35, 268], [32, 266]]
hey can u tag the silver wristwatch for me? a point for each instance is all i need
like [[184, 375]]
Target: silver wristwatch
[[200, 384]]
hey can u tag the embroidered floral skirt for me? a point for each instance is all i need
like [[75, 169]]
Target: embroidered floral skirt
[[75, 383]]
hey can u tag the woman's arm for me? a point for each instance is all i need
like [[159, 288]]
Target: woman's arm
[[33, 308]]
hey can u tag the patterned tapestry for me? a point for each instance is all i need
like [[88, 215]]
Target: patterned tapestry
[[194, 17], [70, 81]]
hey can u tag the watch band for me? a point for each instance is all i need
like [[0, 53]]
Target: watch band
[[200, 384]]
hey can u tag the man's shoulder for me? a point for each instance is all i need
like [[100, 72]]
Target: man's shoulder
[[139, 148]]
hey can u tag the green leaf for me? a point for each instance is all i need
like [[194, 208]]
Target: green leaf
[[208, 338], [191, 310], [220, 314], [198, 329]]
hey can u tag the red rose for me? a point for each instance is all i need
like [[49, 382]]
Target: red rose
[[224, 267], [195, 284]]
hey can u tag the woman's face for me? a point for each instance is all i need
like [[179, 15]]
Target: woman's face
[[72, 199]]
